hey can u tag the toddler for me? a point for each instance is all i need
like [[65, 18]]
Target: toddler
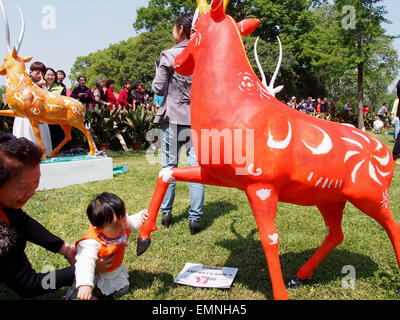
[[108, 234]]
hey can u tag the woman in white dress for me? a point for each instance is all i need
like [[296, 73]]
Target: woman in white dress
[[22, 127]]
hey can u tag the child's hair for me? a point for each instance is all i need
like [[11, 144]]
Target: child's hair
[[102, 209], [37, 65]]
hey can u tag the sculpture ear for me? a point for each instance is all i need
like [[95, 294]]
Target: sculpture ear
[[27, 59], [14, 53], [247, 26]]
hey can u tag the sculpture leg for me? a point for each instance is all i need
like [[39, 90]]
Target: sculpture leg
[[382, 214], [7, 113], [264, 200], [67, 131], [35, 126], [166, 176], [86, 132], [332, 214]]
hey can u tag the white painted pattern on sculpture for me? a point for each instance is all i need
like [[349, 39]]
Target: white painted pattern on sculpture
[[250, 169], [353, 142], [372, 173], [272, 143], [354, 173], [349, 155], [274, 238], [383, 161], [319, 181], [167, 175], [362, 136], [324, 147], [263, 194]]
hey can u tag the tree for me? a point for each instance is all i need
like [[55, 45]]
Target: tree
[[338, 59], [360, 37], [133, 59], [161, 14]]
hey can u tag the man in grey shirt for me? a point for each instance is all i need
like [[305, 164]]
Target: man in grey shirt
[[174, 118]]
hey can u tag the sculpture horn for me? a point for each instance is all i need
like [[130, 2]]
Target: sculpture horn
[[6, 26], [203, 6], [21, 36], [273, 91], [226, 2]]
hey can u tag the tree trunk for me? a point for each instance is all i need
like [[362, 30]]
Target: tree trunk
[[360, 96]]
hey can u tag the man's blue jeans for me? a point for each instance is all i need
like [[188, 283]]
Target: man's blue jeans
[[174, 137], [396, 128]]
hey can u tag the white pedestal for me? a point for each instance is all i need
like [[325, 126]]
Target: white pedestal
[[63, 174]]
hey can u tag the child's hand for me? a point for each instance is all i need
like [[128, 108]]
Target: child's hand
[[145, 215], [85, 293]]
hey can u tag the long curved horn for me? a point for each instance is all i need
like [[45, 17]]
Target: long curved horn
[[278, 66], [264, 80], [273, 91], [6, 26], [21, 36], [195, 16], [203, 6]]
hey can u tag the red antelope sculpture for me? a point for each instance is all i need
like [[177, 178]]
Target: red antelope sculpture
[[293, 158], [27, 100]]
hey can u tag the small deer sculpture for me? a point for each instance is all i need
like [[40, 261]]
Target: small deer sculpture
[[25, 99]]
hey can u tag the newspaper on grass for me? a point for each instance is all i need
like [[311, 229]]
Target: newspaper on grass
[[197, 275]]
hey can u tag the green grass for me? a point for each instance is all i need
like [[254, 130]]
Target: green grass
[[230, 238]]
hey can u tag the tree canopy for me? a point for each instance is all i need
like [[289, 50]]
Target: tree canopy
[[133, 59]]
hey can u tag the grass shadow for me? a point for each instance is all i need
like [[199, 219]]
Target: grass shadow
[[248, 256], [211, 211], [142, 280]]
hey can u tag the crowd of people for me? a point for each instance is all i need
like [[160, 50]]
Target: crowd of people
[[131, 96], [310, 105]]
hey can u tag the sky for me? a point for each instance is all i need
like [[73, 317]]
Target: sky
[[59, 31]]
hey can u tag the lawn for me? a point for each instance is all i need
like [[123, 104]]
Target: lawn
[[230, 238]]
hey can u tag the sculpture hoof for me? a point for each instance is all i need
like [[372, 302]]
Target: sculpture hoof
[[142, 245], [294, 283]]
